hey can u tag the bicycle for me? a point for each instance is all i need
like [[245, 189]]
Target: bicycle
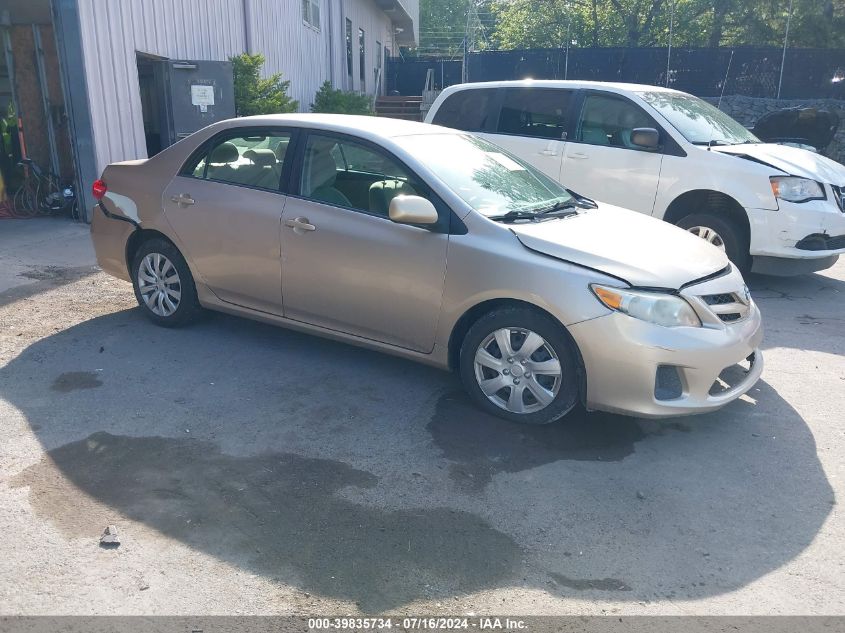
[[42, 193]]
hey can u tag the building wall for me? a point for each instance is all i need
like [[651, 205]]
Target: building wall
[[302, 54], [114, 30]]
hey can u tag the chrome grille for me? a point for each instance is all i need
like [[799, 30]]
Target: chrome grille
[[729, 306]]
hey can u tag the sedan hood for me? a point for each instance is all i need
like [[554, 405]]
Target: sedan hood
[[792, 160], [631, 246]]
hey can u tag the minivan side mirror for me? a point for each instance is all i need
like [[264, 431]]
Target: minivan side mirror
[[412, 210], [646, 137]]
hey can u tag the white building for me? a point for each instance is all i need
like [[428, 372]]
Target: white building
[[101, 46]]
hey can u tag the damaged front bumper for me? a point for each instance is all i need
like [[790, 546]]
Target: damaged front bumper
[[797, 237], [637, 368]]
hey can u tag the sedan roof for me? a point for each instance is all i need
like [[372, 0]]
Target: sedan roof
[[372, 126]]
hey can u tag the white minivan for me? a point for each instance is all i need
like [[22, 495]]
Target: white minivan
[[774, 209]]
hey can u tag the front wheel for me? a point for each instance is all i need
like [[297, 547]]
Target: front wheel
[[723, 233], [518, 364]]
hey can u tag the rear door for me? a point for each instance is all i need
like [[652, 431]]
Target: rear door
[[534, 123], [225, 206], [601, 161]]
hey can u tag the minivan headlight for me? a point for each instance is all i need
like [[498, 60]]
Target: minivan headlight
[[655, 307], [794, 189]]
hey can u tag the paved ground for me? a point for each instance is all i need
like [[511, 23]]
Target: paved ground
[[254, 470]]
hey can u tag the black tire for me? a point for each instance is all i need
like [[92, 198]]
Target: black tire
[[555, 336], [188, 308], [735, 238]]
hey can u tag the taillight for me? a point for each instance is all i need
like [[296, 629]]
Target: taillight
[[99, 189]]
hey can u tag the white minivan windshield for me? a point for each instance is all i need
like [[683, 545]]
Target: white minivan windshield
[[487, 178], [699, 122]]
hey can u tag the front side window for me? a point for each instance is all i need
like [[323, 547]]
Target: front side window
[[467, 110], [611, 121], [698, 121], [483, 175], [251, 160], [311, 13], [349, 174], [537, 112], [362, 63]]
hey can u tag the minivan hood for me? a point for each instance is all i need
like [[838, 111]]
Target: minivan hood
[[634, 247], [792, 160]]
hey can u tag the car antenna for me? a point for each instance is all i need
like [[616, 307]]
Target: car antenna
[[721, 95]]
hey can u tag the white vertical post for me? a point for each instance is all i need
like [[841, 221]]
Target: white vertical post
[[671, 32], [785, 42]]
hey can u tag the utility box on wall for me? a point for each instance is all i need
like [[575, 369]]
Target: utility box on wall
[[180, 97], [201, 93]]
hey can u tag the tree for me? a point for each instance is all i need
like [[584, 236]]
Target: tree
[[335, 101], [544, 23], [443, 25], [254, 95]]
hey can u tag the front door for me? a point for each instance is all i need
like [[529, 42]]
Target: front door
[[345, 265], [225, 206], [602, 163]]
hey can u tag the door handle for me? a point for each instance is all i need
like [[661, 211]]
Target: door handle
[[548, 152], [183, 199], [579, 156], [300, 225]]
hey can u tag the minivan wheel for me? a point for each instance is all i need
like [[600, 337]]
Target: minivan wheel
[[721, 232], [163, 284], [519, 364]]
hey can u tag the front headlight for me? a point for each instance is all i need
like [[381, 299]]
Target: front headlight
[[655, 307], [794, 189]]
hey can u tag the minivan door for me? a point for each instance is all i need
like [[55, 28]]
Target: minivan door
[[533, 124], [601, 161]]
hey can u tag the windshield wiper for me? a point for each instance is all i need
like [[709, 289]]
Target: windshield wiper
[[560, 209]]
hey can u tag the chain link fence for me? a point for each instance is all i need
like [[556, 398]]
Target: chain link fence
[[706, 72]]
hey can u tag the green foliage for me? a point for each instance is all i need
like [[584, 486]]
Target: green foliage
[[443, 24], [254, 95], [334, 101], [545, 23]]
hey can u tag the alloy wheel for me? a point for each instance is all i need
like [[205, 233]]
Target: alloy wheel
[[159, 284], [518, 370], [708, 234]]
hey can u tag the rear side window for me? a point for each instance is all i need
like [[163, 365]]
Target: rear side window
[[467, 110], [253, 159], [537, 112]]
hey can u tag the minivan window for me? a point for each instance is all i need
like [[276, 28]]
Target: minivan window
[[537, 112], [467, 110], [611, 121], [485, 176], [698, 121]]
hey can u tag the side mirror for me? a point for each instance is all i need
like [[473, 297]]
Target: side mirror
[[646, 137], [412, 210]]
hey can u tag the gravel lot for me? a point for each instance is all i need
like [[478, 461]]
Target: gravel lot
[[250, 469]]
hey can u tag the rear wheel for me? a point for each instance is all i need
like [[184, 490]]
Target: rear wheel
[[163, 284], [518, 364], [723, 233]]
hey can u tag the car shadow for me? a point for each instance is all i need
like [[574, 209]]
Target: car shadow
[[802, 312], [358, 476]]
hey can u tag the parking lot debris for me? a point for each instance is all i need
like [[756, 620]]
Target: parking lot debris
[[110, 537], [640, 494]]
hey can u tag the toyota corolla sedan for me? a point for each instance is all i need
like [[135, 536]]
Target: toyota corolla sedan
[[437, 246]]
